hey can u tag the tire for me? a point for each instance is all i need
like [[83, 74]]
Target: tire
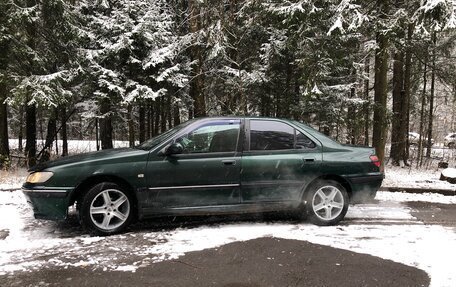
[[326, 203], [451, 145], [106, 209]]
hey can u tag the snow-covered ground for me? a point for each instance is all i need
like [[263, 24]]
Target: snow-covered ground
[[74, 146], [415, 178], [12, 179], [385, 229]]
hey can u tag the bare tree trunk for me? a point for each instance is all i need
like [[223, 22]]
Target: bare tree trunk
[[431, 99], [4, 144], [156, 116], [142, 123], [30, 133], [97, 138], [380, 88], [5, 48], [106, 125], [286, 103], [397, 138], [149, 127], [453, 116], [56, 144], [169, 111], [423, 104], [176, 114], [407, 92], [40, 124], [366, 104], [81, 128], [296, 97], [50, 136], [21, 128], [163, 116], [131, 126], [63, 131], [380, 97], [197, 84], [352, 119], [30, 110]]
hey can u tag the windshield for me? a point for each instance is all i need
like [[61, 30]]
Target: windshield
[[153, 142]]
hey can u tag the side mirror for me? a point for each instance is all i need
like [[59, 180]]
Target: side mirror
[[174, 148]]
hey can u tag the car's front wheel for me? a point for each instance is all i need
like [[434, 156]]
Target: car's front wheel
[[106, 209], [326, 203]]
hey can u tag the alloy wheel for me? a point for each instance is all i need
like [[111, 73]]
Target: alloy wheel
[[109, 209], [328, 203]]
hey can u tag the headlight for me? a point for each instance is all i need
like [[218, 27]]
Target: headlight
[[39, 177]]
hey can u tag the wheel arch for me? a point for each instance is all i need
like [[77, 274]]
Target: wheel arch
[[337, 178], [83, 187]]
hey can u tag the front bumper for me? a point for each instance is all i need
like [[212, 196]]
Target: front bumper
[[48, 203]]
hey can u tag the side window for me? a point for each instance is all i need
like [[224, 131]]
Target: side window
[[303, 142], [218, 136], [272, 135]]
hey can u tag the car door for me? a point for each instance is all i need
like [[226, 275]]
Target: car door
[[205, 174], [278, 160]]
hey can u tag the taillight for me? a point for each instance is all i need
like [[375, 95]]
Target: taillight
[[375, 160]]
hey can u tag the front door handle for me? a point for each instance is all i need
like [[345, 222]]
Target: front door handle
[[229, 162], [308, 160]]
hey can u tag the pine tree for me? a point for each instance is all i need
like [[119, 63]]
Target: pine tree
[[131, 52]]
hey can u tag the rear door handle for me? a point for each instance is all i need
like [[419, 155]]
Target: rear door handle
[[229, 162], [308, 160]]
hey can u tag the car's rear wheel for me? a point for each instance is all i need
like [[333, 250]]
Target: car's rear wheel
[[326, 203], [106, 209]]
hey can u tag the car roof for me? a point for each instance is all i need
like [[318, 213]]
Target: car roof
[[244, 117]]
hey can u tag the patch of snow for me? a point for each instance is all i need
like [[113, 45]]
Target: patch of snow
[[74, 146], [392, 211], [90, 240], [12, 180], [405, 197], [415, 178], [387, 230], [129, 268], [449, 172], [337, 25]]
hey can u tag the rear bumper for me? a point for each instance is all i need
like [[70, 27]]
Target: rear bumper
[[365, 187], [48, 203]]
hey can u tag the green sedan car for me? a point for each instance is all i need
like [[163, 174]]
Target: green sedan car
[[224, 165]]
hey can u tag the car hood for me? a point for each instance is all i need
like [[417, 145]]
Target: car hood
[[87, 157]]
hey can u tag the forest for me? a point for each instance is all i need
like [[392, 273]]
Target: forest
[[363, 72]]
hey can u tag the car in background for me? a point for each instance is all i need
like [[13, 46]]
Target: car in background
[[414, 139], [208, 166], [450, 140]]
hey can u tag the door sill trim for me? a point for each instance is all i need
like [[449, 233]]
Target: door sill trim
[[195, 186]]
